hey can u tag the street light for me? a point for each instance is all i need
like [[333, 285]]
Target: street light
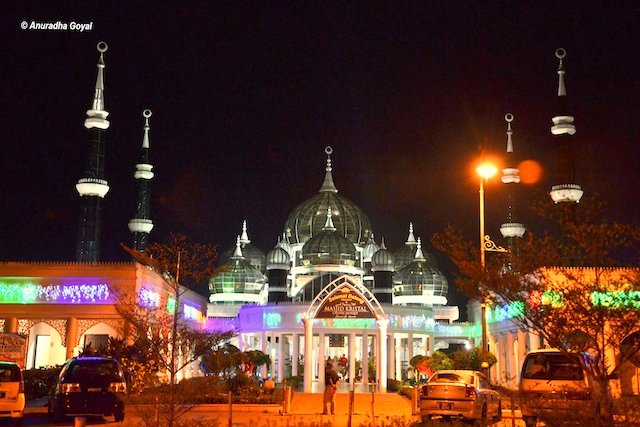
[[485, 171]]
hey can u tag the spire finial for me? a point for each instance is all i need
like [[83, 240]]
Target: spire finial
[[509, 118], [145, 139], [237, 254], [245, 236], [419, 255], [411, 240], [97, 115], [560, 54], [382, 245], [328, 225], [328, 184]]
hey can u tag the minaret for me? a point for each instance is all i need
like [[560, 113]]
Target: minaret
[[511, 229], [92, 187], [565, 190], [141, 224]]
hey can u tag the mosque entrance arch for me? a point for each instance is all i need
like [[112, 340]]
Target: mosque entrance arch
[[342, 299]]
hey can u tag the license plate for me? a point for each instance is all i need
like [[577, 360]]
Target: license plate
[[445, 405], [94, 389]]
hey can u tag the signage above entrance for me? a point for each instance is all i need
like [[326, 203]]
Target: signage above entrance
[[345, 302]]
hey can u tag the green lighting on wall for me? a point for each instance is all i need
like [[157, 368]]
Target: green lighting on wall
[[14, 293], [616, 300]]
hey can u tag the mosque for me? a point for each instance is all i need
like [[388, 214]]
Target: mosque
[[327, 290]]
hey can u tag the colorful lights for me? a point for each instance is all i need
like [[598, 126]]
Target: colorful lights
[[272, 320], [191, 313], [148, 298], [508, 311], [616, 300], [171, 305], [28, 293]]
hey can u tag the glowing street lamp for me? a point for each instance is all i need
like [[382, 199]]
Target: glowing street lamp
[[485, 171]]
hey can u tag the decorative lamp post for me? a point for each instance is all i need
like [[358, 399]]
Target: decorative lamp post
[[485, 171]]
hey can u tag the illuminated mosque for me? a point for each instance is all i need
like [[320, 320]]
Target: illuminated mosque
[[327, 289]]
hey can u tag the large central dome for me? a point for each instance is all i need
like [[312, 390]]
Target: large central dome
[[308, 218]]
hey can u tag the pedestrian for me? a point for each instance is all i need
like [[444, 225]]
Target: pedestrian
[[331, 384]]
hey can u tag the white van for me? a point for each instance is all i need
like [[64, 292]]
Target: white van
[[12, 398], [554, 386]]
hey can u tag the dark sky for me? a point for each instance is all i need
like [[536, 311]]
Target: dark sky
[[246, 95]]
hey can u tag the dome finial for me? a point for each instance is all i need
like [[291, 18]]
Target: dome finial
[[244, 239], [411, 240], [237, 254], [97, 115], [328, 184], [419, 255], [328, 225]]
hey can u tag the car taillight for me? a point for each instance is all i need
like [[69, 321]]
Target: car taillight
[[470, 392], [70, 387], [118, 387]]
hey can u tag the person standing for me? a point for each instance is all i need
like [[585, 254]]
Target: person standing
[[331, 384]]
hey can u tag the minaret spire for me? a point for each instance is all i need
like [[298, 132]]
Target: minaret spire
[[141, 224], [565, 189], [328, 184], [92, 187], [511, 229]]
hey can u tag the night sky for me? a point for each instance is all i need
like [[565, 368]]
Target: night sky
[[246, 95]]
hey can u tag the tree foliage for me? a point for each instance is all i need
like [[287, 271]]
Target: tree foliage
[[570, 285]]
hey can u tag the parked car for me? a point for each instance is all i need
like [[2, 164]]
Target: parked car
[[12, 398], [554, 386], [460, 394], [89, 386]]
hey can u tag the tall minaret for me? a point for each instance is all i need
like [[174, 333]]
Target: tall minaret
[[141, 225], [511, 229], [565, 190], [92, 187]]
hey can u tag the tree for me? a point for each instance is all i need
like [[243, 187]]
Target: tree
[[568, 285], [161, 331]]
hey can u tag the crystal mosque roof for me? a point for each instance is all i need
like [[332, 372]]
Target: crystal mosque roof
[[406, 255], [238, 277], [382, 260], [329, 246], [308, 218], [278, 258], [251, 253], [421, 282]]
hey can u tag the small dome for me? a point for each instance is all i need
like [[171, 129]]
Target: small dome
[[420, 283], [278, 259], [406, 255], [382, 260], [328, 247], [371, 248], [251, 253], [238, 278]]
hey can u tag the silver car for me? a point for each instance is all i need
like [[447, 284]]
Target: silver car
[[462, 395]]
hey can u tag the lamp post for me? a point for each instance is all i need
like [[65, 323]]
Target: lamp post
[[485, 171]]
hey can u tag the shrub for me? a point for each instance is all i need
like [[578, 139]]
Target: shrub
[[38, 382]]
